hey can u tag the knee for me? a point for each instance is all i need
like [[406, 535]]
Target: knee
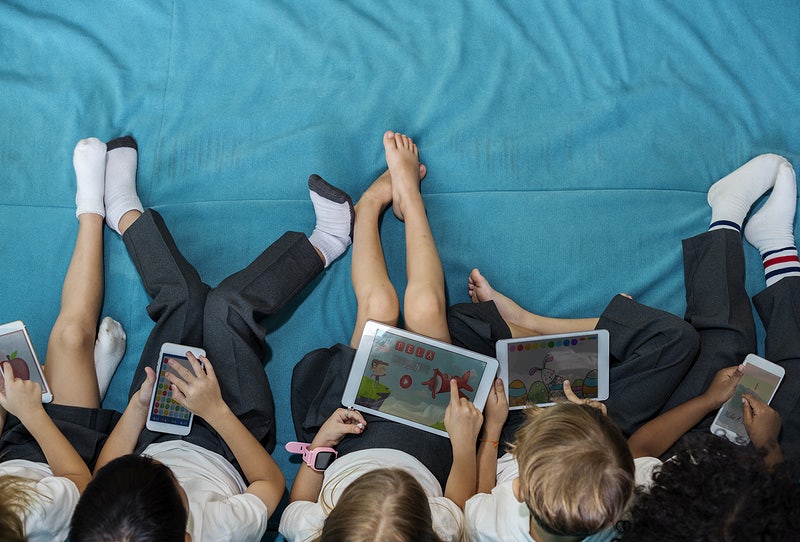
[[379, 304], [218, 304], [683, 336], [73, 335], [424, 309]]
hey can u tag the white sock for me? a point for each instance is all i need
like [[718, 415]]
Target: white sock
[[333, 232], [732, 196], [771, 229], [772, 226], [120, 192], [89, 161], [108, 351]]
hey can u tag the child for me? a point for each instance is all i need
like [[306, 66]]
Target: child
[[719, 307], [435, 476], [219, 482], [45, 449]]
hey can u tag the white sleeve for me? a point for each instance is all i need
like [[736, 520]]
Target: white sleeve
[[238, 518], [448, 519], [301, 521], [49, 516]]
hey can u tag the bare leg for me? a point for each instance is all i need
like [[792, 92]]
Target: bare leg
[[376, 296], [69, 368], [129, 218], [523, 323], [424, 305]]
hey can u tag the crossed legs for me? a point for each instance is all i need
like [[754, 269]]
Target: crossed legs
[[424, 300]]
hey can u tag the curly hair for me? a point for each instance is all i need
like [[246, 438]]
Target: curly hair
[[716, 491]]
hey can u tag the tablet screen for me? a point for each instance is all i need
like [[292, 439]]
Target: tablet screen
[[410, 379], [755, 380], [537, 368], [16, 350]]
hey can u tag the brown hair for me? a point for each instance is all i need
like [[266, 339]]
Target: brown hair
[[576, 473], [16, 495], [383, 504]]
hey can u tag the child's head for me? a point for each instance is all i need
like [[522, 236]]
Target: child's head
[[713, 489], [131, 498], [383, 504], [576, 473], [15, 496]]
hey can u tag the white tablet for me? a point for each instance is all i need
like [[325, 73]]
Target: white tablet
[[16, 348], [533, 369], [405, 377]]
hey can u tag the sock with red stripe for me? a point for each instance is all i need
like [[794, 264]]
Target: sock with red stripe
[[771, 229], [732, 196]]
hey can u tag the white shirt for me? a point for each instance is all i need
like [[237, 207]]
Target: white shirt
[[54, 500], [500, 517], [303, 520], [218, 507]]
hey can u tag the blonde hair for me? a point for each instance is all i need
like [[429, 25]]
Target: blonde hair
[[383, 504], [576, 473], [16, 495]]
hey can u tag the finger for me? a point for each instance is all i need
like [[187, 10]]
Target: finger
[[8, 371], [754, 400], [355, 417], [178, 396], [747, 410], [499, 387], [569, 393], [178, 369], [454, 397], [197, 368], [174, 379], [208, 368]]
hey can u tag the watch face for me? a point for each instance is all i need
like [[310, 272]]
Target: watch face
[[323, 460]]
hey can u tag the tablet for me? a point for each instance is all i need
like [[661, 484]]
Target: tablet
[[405, 377], [533, 369], [16, 348]]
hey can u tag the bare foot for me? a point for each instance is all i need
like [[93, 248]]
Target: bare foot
[[480, 290], [379, 192], [402, 157]]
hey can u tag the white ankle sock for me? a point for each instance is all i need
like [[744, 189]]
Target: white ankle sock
[[772, 226], [732, 196], [333, 232], [120, 168], [108, 351], [89, 161]]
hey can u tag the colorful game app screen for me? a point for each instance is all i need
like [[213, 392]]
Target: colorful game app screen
[[165, 409], [411, 380], [537, 369], [755, 380], [14, 349]]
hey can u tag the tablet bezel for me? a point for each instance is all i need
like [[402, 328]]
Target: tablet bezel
[[362, 357], [603, 363]]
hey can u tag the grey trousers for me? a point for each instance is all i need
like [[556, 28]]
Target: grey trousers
[[226, 320]]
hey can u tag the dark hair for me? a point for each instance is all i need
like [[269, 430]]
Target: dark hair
[[383, 504], [716, 491], [131, 498]]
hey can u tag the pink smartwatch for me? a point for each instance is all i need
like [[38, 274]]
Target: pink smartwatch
[[319, 459]]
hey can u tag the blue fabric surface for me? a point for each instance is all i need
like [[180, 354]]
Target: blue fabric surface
[[569, 145]]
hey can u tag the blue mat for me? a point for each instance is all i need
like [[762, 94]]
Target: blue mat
[[569, 145]]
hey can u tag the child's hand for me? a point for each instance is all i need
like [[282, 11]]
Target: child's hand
[[462, 419], [724, 384], [21, 397], [198, 392], [496, 411], [146, 389], [577, 400], [763, 423], [341, 423]]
